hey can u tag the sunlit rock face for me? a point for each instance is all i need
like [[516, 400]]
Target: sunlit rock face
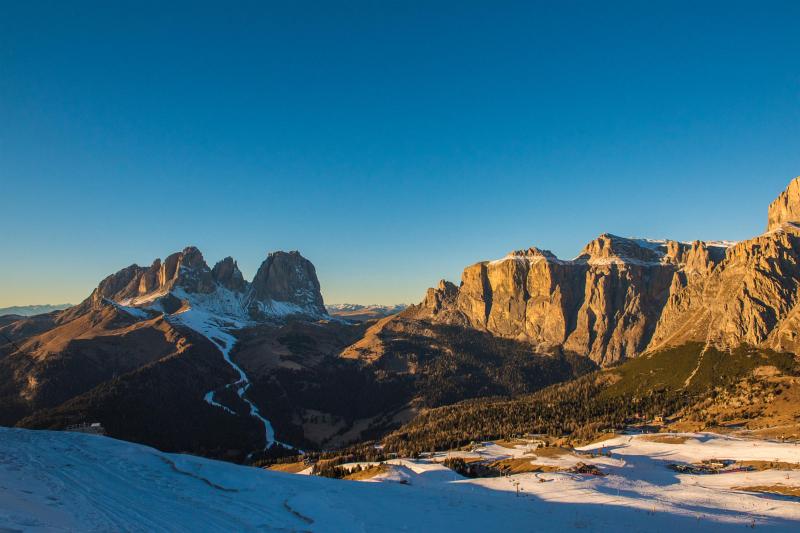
[[786, 208], [286, 284], [621, 297], [291, 278]]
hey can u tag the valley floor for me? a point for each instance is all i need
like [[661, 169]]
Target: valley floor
[[56, 481]]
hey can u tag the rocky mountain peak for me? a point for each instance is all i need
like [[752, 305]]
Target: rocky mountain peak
[[786, 208], [608, 248], [623, 296], [532, 254], [444, 294], [290, 278], [227, 274], [285, 284], [188, 270], [124, 282], [191, 257]]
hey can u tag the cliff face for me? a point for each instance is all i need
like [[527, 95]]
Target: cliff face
[[621, 297], [785, 208], [606, 303], [285, 284], [290, 278], [750, 298]]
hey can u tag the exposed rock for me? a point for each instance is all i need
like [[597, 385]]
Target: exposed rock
[[443, 295], [621, 297], [604, 304], [227, 274], [290, 278], [124, 282], [188, 270], [286, 284], [751, 298], [786, 208], [475, 294]]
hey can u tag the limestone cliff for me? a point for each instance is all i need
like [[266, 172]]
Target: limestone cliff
[[605, 303], [621, 297], [288, 278], [786, 208], [285, 284], [750, 298]]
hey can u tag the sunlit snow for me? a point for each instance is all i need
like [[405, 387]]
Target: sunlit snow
[[57, 481]]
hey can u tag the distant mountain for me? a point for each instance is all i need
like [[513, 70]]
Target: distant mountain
[[190, 358], [360, 313], [186, 357], [285, 284], [31, 310], [622, 297], [152, 345]]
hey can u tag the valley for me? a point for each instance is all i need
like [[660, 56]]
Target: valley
[[569, 381], [421, 267]]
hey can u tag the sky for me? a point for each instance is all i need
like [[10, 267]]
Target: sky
[[391, 143]]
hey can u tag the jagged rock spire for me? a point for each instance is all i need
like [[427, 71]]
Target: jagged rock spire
[[285, 284], [786, 208]]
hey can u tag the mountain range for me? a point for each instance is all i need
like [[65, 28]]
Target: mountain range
[[30, 310], [187, 357], [359, 312], [623, 297]]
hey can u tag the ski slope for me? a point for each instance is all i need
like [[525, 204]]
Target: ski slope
[[57, 481]]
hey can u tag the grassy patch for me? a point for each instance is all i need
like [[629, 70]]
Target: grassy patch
[[783, 490], [521, 466], [602, 438], [368, 473], [511, 444], [665, 370], [552, 452], [769, 465], [291, 468]]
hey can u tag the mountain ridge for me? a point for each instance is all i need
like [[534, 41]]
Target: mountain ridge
[[265, 360], [286, 283], [32, 310], [622, 297]]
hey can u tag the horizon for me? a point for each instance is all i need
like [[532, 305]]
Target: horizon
[[391, 144], [249, 276]]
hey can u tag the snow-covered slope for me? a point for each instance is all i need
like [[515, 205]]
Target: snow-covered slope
[[53, 481], [217, 302], [216, 328]]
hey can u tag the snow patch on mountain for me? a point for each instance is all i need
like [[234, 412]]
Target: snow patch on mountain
[[215, 327], [135, 312], [625, 253], [388, 309]]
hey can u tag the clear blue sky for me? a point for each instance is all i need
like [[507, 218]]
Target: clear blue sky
[[392, 143]]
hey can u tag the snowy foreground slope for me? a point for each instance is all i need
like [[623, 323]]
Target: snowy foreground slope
[[54, 481]]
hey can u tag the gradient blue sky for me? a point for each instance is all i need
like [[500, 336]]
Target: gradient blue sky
[[392, 143]]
